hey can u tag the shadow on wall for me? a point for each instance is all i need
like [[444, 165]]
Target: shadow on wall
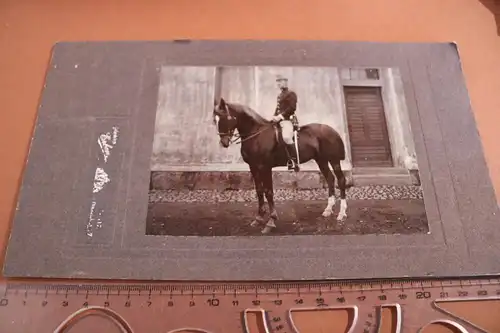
[[494, 7]]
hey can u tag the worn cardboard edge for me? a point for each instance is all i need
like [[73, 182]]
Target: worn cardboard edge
[[94, 270]]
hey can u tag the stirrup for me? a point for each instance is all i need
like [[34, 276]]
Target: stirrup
[[292, 165]]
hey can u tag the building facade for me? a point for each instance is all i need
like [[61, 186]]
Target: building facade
[[366, 106]]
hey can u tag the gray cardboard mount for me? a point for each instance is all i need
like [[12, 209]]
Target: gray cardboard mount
[[92, 87]]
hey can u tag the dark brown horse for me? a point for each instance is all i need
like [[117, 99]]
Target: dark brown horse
[[262, 151]]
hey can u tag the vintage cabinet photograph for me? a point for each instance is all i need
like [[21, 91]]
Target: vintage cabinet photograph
[[251, 160], [261, 150]]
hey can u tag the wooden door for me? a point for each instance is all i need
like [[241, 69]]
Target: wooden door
[[369, 139]]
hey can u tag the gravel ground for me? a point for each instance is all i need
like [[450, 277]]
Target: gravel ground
[[377, 192], [302, 217]]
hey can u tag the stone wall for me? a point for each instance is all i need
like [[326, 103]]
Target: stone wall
[[186, 139], [185, 136]]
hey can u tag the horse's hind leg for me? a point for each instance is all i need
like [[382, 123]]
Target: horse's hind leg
[[342, 186], [325, 170]]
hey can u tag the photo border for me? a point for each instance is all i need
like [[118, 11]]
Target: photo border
[[461, 206]]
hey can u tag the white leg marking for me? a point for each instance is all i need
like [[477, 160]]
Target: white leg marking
[[343, 207], [329, 208], [258, 220], [269, 226]]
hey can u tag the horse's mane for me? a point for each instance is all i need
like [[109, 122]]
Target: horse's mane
[[244, 109]]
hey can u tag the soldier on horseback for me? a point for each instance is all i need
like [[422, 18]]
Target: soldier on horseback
[[285, 116]]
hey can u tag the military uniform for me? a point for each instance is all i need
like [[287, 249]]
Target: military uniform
[[286, 107]]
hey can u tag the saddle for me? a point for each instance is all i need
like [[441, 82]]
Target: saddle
[[293, 158], [278, 130], [279, 135]]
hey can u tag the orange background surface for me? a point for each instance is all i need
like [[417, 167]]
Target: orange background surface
[[28, 29]]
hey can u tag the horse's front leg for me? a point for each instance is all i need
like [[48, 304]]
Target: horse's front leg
[[267, 180], [259, 189]]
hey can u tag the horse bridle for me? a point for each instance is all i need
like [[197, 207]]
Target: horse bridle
[[238, 136]]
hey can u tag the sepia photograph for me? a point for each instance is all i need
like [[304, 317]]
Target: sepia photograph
[[256, 150], [252, 160]]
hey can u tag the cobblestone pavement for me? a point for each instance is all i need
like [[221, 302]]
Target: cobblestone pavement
[[378, 192], [218, 215]]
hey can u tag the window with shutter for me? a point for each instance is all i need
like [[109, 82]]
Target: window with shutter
[[370, 146]]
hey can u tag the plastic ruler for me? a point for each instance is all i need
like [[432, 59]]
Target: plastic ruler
[[385, 306]]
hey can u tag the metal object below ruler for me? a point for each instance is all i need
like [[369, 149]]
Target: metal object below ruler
[[465, 305]]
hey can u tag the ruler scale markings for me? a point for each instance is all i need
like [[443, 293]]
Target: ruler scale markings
[[285, 292]]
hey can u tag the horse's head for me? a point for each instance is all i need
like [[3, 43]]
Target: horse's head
[[224, 121]]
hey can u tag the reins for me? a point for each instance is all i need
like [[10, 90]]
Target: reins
[[238, 136]]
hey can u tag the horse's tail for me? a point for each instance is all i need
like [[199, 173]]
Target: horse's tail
[[342, 149], [339, 145]]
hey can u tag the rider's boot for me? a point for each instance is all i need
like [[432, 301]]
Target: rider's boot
[[292, 158]]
